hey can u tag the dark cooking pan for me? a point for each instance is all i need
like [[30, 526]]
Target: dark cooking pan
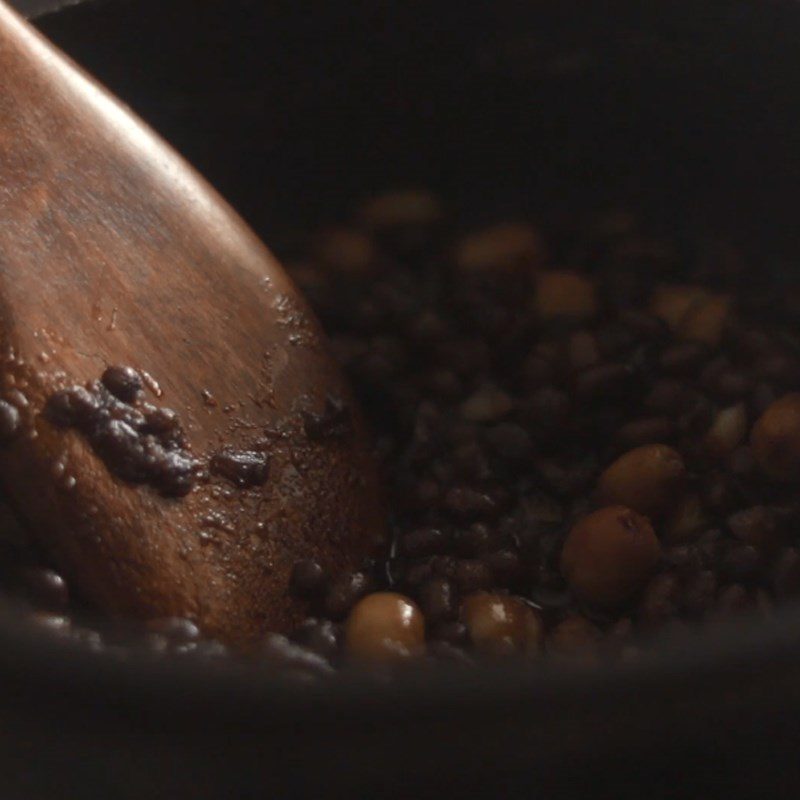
[[691, 110]]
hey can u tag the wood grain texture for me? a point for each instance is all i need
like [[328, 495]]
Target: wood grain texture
[[113, 251]]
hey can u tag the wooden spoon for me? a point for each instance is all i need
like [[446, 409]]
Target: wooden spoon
[[114, 253]]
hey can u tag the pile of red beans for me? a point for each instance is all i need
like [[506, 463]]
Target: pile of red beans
[[591, 433]]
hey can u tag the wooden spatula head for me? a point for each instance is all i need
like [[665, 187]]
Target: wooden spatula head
[[115, 254]]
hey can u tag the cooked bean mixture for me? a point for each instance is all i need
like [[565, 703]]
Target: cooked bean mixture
[[590, 434], [138, 442]]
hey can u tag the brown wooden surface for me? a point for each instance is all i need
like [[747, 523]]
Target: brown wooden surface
[[112, 251]]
